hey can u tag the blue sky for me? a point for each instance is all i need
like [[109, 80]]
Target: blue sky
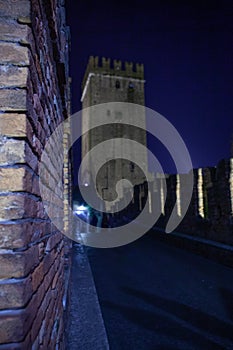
[[186, 47]]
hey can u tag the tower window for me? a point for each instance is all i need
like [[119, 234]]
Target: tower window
[[118, 84], [131, 92], [132, 167], [131, 86]]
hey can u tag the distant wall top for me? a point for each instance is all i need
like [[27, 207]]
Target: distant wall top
[[114, 67]]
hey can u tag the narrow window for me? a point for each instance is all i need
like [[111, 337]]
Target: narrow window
[[132, 167], [131, 86], [118, 84], [131, 92]]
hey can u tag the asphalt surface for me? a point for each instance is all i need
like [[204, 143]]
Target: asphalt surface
[[154, 296]]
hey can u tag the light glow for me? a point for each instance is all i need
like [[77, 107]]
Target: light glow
[[81, 209], [200, 194], [231, 184], [178, 199]]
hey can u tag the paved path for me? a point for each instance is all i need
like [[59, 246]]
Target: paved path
[[155, 296]]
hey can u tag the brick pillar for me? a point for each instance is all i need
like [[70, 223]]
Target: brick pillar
[[33, 101]]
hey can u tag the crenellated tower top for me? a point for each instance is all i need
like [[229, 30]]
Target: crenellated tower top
[[114, 67]]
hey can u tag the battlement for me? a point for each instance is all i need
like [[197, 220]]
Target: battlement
[[113, 67]]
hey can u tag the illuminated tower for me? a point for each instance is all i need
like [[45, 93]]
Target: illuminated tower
[[108, 81]]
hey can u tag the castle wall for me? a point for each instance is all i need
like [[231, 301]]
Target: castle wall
[[214, 221], [33, 101], [210, 213]]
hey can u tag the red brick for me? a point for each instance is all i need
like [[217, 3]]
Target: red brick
[[15, 8], [53, 241], [11, 30], [18, 264], [21, 206], [17, 180], [12, 326], [13, 125], [13, 77], [16, 152], [40, 300], [18, 235], [15, 293], [40, 267], [13, 100], [13, 53], [50, 261]]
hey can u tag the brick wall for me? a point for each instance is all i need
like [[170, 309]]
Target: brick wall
[[34, 99]]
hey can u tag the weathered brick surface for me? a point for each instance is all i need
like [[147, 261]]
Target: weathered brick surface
[[15, 8], [18, 179], [21, 206], [12, 325], [18, 264], [13, 125], [34, 99], [13, 76], [26, 344], [27, 317], [16, 152], [15, 293], [13, 100], [13, 53], [12, 31], [18, 234]]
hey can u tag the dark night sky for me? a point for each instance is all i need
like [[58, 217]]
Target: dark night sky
[[187, 51]]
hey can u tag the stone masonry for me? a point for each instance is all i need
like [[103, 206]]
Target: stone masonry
[[210, 213], [34, 99], [105, 81]]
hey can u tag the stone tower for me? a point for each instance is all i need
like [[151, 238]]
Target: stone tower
[[113, 81]]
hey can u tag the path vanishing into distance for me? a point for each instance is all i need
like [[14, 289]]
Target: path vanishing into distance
[[155, 296]]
